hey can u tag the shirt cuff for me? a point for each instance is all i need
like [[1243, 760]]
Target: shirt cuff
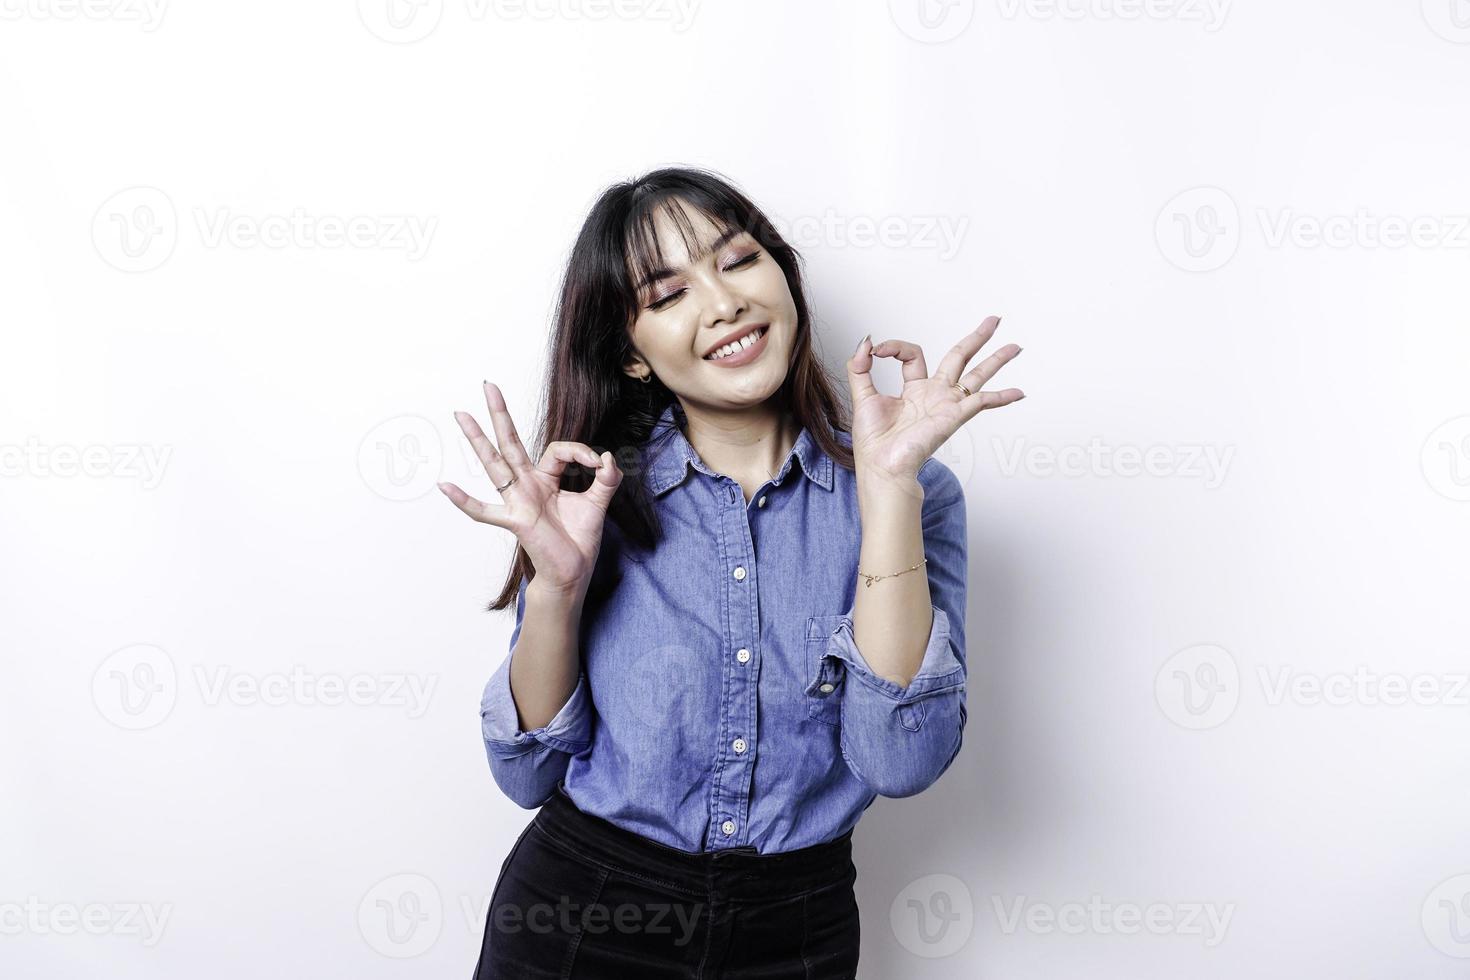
[[939, 671], [568, 731]]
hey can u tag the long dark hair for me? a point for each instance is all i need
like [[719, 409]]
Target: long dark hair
[[588, 396]]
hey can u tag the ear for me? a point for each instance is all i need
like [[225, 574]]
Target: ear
[[636, 368]]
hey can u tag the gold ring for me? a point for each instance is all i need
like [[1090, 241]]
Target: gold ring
[[961, 387]]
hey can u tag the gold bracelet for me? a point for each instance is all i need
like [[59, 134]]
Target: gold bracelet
[[873, 578]]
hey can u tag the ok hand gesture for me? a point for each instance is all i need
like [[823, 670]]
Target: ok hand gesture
[[892, 436], [561, 530]]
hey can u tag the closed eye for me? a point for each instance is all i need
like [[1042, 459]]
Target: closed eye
[[744, 261]]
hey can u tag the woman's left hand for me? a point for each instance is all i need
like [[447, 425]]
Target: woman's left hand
[[893, 436]]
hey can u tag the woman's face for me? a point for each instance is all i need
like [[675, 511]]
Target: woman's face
[[688, 317]]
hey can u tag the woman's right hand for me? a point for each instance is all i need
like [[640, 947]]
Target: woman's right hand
[[561, 530]]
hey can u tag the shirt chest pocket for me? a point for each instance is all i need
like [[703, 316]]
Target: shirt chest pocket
[[823, 676]]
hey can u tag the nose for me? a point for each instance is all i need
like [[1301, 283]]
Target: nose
[[721, 304]]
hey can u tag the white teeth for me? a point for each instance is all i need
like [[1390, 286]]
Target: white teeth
[[736, 346]]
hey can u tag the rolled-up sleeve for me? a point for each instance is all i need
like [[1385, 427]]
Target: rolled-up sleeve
[[527, 765], [900, 740]]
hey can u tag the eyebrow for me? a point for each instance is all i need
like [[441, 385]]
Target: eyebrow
[[665, 273]]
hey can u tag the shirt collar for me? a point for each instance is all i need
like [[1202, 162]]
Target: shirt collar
[[668, 457]]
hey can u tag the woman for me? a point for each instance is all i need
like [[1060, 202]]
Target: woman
[[739, 617]]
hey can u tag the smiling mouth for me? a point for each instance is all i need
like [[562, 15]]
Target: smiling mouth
[[735, 347]]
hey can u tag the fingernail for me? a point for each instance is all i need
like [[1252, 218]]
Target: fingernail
[[441, 486], [863, 341]]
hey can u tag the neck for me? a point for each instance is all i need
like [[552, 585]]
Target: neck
[[747, 444]]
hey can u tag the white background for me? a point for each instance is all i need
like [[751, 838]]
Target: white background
[[1136, 188]]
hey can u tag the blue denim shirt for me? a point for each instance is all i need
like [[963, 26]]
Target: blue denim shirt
[[721, 700]]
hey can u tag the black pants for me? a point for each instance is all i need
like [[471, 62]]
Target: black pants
[[580, 898]]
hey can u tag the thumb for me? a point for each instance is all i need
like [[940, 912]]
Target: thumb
[[606, 481], [859, 371]]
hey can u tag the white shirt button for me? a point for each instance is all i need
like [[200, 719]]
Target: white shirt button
[[740, 573], [738, 745], [742, 655], [762, 501], [728, 827], [825, 688]]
